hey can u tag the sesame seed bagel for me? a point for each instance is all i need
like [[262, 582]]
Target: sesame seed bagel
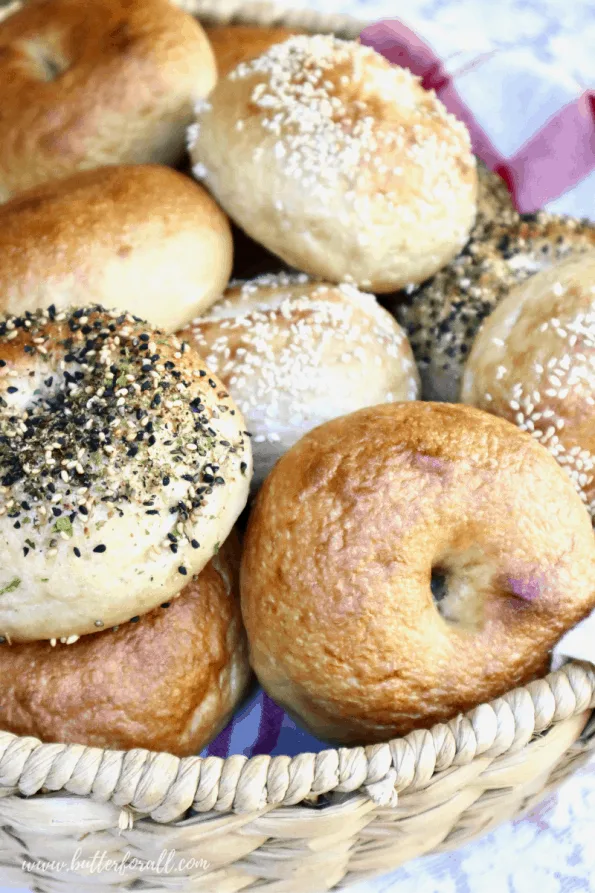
[[407, 562], [443, 317], [295, 353], [88, 84], [533, 362], [142, 238], [168, 682], [355, 172], [232, 44], [123, 463]]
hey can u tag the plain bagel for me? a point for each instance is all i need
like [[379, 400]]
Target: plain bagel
[[141, 238], [88, 84], [123, 465], [233, 44], [407, 562], [167, 682]]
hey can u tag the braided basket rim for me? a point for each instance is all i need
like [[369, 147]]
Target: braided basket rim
[[164, 787]]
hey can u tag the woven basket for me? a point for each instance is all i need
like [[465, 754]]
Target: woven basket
[[280, 824]]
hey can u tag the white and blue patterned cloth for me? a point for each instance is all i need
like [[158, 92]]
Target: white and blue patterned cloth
[[557, 32]]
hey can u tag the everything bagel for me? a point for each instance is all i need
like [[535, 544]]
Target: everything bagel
[[123, 465]]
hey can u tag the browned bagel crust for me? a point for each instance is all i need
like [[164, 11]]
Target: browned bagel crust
[[337, 564], [168, 682], [141, 238], [233, 44], [87, 84]]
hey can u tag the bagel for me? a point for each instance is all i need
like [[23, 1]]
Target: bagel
[[89, 84], [533, 363], [355, 172], [443, 317], [494, 201], [407, 562], [295, 353], [140, 238], [123, 463], [166, 683], [232, 44]]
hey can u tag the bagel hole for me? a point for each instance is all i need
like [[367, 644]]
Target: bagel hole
[[438, 584], [49, 63], [459, 585]]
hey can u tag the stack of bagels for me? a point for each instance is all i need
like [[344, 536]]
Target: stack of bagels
[[237, 265]]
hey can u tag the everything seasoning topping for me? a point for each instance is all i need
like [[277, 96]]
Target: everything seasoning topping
[[443, 316], [97, 413]]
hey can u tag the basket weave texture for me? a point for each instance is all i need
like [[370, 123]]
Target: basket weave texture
[[314, 822]]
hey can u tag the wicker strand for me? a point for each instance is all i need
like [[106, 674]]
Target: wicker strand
[[223, 12], [164, 786]]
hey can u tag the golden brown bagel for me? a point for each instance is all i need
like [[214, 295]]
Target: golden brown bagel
[[168, 682], [87, 84], [533, 363], [141, 238], [368, 517], [233, 44]]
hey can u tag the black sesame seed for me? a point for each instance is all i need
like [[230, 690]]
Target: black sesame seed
[[77, 551], [182, 570], [174, 548], [166, 604], [166, 480], [12, 389], [195, 544], [134, 619], [100, 548]]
